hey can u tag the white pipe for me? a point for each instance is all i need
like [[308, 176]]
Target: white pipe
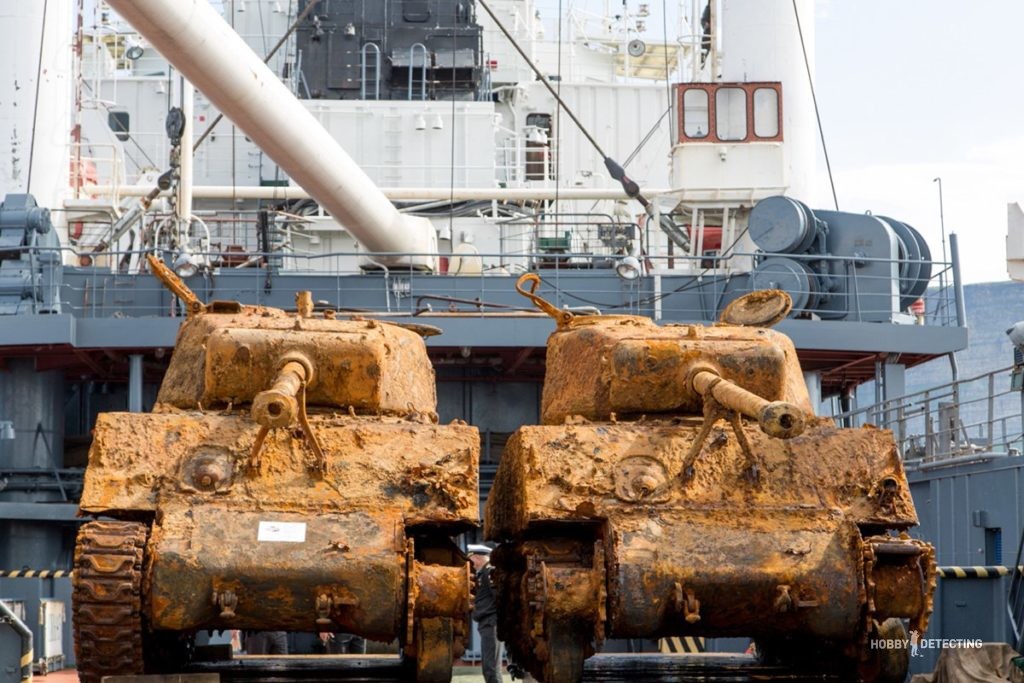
[[193, 37], [408, 193], [184, 205], [27, 652]]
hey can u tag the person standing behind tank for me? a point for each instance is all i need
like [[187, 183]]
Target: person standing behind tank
[[485, 614], [266, 643]]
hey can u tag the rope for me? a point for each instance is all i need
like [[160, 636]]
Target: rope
[[814, 98]]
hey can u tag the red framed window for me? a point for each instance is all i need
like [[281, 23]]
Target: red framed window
[[729, 112]]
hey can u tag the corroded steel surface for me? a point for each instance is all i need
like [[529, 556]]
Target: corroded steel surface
[[175, 284], [107, 601], [598, 470], [599, 365], [777, 418], [228, 358], [681, 486], [426, 473], [761, 308], [291, 477], [356, 560]]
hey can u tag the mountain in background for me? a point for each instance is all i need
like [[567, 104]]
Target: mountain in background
[[991, 308]]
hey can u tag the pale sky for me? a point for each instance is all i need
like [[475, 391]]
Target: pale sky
[[916, 89], [910, 90]]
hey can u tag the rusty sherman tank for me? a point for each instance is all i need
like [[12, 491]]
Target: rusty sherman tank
[[680, 486], [293, 477]]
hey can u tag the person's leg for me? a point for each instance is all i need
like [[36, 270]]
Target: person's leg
[[490, 653], [278, 643], [351, 644], [256, 643]]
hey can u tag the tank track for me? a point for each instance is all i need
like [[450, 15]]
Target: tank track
[[107, 599]]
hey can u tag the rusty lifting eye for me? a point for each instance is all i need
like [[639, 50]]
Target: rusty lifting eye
[[209, 471]]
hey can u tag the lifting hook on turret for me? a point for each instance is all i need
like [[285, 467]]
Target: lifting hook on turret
[[563, 318], [175, 284]]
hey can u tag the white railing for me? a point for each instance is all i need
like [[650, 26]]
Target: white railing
[[961, 421]]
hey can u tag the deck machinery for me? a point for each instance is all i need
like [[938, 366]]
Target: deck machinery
[[680, 485], [291, 477]]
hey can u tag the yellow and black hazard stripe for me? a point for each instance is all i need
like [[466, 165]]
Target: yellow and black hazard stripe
[[976, 572], [26, 665], [35, 573], [681, 645]]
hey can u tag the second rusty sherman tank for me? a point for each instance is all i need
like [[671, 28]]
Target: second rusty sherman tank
[[681, 486], [292, 477]]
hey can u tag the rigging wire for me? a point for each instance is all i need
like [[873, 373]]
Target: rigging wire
[[263, 28], [615, 170], [696, 281], [650, 134], [540, 76], [451, 166], [643, 143], [234, 136], [668, 75], [266, 60], [817, 113], [558, 117], [35, 107]]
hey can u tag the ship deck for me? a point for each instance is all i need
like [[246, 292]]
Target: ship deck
[[604, 668]]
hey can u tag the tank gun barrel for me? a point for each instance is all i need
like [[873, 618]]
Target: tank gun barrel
[[278, 406], [776, 418]]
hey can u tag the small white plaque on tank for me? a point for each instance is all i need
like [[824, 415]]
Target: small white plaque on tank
[[282, 532]]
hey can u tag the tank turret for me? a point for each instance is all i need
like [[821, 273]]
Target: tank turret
[[291, 477], [680, 485]]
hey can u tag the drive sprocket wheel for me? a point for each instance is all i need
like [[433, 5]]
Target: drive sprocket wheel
[[107, 599]]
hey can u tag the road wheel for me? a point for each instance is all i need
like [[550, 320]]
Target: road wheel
[[566, 651], [887, 665], [432, 643]]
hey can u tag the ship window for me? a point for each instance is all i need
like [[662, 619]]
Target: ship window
[[766, 113], [539, 156], [118, 122], [695, 113], [731, 114], [416, 10]]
